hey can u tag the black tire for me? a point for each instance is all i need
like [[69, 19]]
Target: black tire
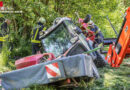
[[100, 61]]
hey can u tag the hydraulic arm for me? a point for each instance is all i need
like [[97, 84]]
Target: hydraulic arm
[[121, 48]]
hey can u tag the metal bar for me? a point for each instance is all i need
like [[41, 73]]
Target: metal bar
[[77, 14], [93, 50], [112, 26]]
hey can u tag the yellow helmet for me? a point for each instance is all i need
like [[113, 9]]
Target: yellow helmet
[[42, 20]]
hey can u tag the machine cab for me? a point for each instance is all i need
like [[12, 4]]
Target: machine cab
[[63, 38]]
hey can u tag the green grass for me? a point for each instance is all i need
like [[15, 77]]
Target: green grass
[[114, 78]]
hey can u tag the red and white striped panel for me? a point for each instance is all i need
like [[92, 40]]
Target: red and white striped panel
[[2, 8], [53, 70]]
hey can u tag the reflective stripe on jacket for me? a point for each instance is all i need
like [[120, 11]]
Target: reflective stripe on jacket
[[35, 33], [2, 39]]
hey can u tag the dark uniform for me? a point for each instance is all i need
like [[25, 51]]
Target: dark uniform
[[35, 38], [4, 33], [4, 28], [98, 34]]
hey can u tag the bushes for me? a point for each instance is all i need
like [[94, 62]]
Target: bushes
[[22, 24]]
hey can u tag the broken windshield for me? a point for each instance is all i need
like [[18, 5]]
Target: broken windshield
[[58, 41]]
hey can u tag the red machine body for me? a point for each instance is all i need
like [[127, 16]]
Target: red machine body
[[88, 33], [121, 48], [32, 60]]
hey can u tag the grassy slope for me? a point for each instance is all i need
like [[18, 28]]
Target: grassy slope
[[114, 78]]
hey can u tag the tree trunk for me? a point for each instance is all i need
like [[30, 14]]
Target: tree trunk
[[59, 6], [124, 2], [47, 1]]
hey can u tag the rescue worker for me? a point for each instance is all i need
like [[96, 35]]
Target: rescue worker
[[4, 31], [87, 18], [5, 28], [98, 34], [35, 36]]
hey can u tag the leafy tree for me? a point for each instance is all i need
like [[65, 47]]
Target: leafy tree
[[22, 24]]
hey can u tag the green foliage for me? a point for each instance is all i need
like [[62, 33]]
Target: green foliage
[[22, 24], [40, 87], [21, 46], [4, 56]]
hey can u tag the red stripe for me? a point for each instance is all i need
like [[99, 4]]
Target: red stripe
[[55, 65], [51, 72], [1, 3]]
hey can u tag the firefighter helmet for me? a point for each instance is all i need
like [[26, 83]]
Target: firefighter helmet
[[42, 20], [87, 18], [56, 20]]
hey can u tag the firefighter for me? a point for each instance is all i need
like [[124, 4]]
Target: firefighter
[[4, 31], [87, 18], [35, 35], [4, 27], [98, 34]]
